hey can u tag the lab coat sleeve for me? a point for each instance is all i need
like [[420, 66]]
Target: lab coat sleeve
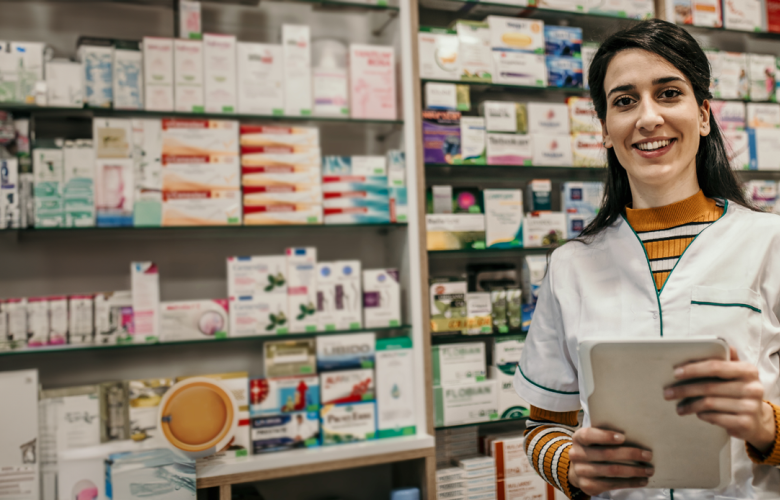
[[546, 376]]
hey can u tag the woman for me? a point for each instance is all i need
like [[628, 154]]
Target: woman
[[674, 238]]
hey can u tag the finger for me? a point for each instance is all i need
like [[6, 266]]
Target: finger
[[590, 436], [734, 356], [731, 406], [736, 425], [609, 454], [599, 470], [715, 387], [715, 368], [593, 486]]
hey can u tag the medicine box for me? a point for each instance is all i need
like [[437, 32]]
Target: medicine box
[[30, 58], [158, 73], [479, 319], [257, 275], [516, 34], [563, 41], [441, 136], [552, 150], [582, 115], [188, 75], [747, 16], [339, 295], [395, 387], [128, 75], [438, 54], [564, 72], [458, 363], [381, 298], [302, 288], [125, 471], [761, 73], [81, 477], [113, 317], [48, 172], [64, 83], [441, 96], [732, 71], [454, 231], [474, 51], [296, 49], [372, 82], [534, 269], [544, 229], [273, 396], [215, 208], [340, 352], [189, 20], [97, 59], [347, 386], [81, 325], [348, 423], [509, 149], [503, 217], [588, 150], [219, 65], [548, 118], [761, 115], [448, 305], [286, 431], [194, 320], [465, 403], [502, 116], [260, 79], [399, 205], [58, 320], [506, 357], [582, 197], [114, 191], [144, 398], [288, 358], [18, 449], [472, 137], [737, 148], [764, 144], [260, 314], [519, 68], [145, 286], [730, 115], [79, 187]]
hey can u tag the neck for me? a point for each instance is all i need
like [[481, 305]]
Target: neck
[[646, 195]]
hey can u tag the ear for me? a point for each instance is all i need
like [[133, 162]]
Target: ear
[[704, 118], [605, 134]]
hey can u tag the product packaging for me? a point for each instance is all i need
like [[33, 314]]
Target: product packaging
[[189, 20], [259, 275], [372, 82], [339, 295], [147, 172], [552, 150], [286, 358], [732, 74], [744, 15], [399, 205], [707, 13], [64, 84], [260, 79], [564, 72], [145, 284], [10, 207], [455, 231], [396, 168], [478, 315], [381, 298], [448, 305], [38, 321], [342, 352], [441, 96], [144, 397], [588, 150], [516, 34], [519, 68], [461, 363], [506, 356], [113, 317], [302, 288], [29, 72], [729, 114], [81, 326], [544, 229], [158, 73], [188, 75], [49, 175], [441, 136], [395, 387], [152, 469], [472, 137], [761, 73], [475, 60], [581, 201], [563, 41], [330, 86], [296, 49], [272, 396], [502, 116], [219, 65], [764, 144], [763, 115], [79, 190], [194, 320], [85, 478], [465, 403], [20, 433], [737, 147], [588, 52], [539, 195], [582, 115], [546, 118], [509, 149], [503, 217], [58, 320], [97, 58], [534, 269], [348, 423], [286, 431], [261, 314], [438, 54], [114, 192], [347, 386], [128, 86]]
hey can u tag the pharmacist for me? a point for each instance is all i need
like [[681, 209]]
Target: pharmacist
[[676, 251]]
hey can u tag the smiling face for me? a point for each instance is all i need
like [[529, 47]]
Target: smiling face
[[654, 125]]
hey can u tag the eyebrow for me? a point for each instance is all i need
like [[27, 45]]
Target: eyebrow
[[657, 81]]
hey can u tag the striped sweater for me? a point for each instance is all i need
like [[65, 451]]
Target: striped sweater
[[665, 233]]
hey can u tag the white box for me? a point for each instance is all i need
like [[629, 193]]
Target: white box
[[188, 76], [516, 34], [97, 62], [65, 84], [255, 315], [582, 115], [330, 79], [288, 358], [147, 172], [448, 305], [745, 15], [552, 150], [58, 320], [438, 53], [588, 150], [588, 52], [10, 203], [348, 423], [16, 312], [114, 192], [763, 115], [461, 363], [48, 172], [72, 433], [541, 228], [474, 61], [79, 184], [144, 397], [347, 386], [258, 275], [519, 68], [81, 327], [128, 76], [381, 298], [342, 352], [81, 478], [500, 116], [219, 65], [731, 68], [764, 148], [546, 118], [296, 49], [38, 324], [509, 149], [505, 360], [194, 320], [707, 13], [737, 147], [503, 217], [19, 433], [395, 387], [145, 284], [196, 138], [339, 295], [465, 403], [730, 115], [189, 19], [472, 140], [396, 168], [302, 288], [372, 82], [158, 73], [260, 78], [113, 317], [479, 313], [215, 208], [761, 73], [441, 96], [30, 69], [112, 138], [272, 136], [534, 269], [525, 487]]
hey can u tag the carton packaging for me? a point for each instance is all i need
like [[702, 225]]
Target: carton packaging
[[534, 269], [128, 76], [114, 192], [441, 199], [79, 189], [219, 77], [547, 118], [348, 423], [761, 73], [439, 54], [347, 386], [381, 298], [10, 209], [147, 172], [260, 79], [448, 305], [125, 471], [582, 115], [64, 84], [145, 285], [339, 295], [737, 147], [763, 115], [732, 71], [588, 52], [441, 136], [519, 68], [215, 208], [97, 59], [509, 149], [729, 114], [763, 194], [58, 320], [399, 205], [581, 202], [113, 317], [441, 96], [112, 138], [502, 116], [764, 144], [516, 34], [273, 396], [395, 387], [189, 20], [465, 403], [296, 49], [564, 72], [707, 13], [188, 75], [461, 363], [29, 72], [330, 78], [563, 41], [158, 73], [372, 82], [745, 16], [286, 431], [48, 172], [588, 150], [194, 320], [552, 150], [539, 195], [20, 432], [250, 276], [38, 321], [261, 314], [474, 53], [342, 352], [507, 352], [81, 478], [454, 231], [286, 358], [544, 228], [503, 217], [568, 5], [81, 325], [302, 288], [396, 168], [144, 397], [479, 314]]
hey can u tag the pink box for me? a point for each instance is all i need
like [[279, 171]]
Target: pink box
[[372, 82]]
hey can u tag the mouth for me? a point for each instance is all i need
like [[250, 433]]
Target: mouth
[[652, 149]]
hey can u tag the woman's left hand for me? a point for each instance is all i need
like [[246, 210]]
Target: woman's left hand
[[730, 395]]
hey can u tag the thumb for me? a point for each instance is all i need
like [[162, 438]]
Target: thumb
[[733, 352]]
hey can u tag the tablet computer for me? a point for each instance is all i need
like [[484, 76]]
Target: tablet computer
[[624, 382]]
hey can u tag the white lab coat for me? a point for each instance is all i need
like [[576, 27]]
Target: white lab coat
[[605, 289]]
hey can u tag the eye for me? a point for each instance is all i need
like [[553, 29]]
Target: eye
[[623, 101], [670, 94]]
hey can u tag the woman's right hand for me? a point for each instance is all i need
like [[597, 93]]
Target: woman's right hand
[[599, 462]]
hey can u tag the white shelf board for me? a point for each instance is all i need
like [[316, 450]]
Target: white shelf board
[[300, 457]]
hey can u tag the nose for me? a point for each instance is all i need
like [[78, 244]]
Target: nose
[[649, 115]]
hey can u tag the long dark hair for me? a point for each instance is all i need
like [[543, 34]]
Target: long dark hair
[[673, 43]]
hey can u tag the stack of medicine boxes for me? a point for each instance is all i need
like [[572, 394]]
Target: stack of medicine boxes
[[581, 202], [587, 147], [474, 478], [461, 395], [356, 190], [281, 175], [257, 290], [563, 46]]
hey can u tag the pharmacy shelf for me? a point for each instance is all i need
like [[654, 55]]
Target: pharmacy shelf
[[595, 170], [486, 422], [471, 8], [314, 460], [205, 343], [29, 109], [491, 251], [486, 86], [170, 4], [707, 29], [459, 337]]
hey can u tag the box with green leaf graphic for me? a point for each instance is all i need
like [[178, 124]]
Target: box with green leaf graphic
[[302, 289], [458, 363], [249, 276], [506, 355], [448, 304], [348, 423], [465, 403]]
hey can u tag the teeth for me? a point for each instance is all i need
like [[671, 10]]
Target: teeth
[[651, 146]]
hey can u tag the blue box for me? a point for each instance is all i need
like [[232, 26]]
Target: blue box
[[284, 432], [564, 72], [563, 41]]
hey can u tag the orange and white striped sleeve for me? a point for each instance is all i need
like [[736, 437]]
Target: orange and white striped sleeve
[[548, 437], [773, 457]]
